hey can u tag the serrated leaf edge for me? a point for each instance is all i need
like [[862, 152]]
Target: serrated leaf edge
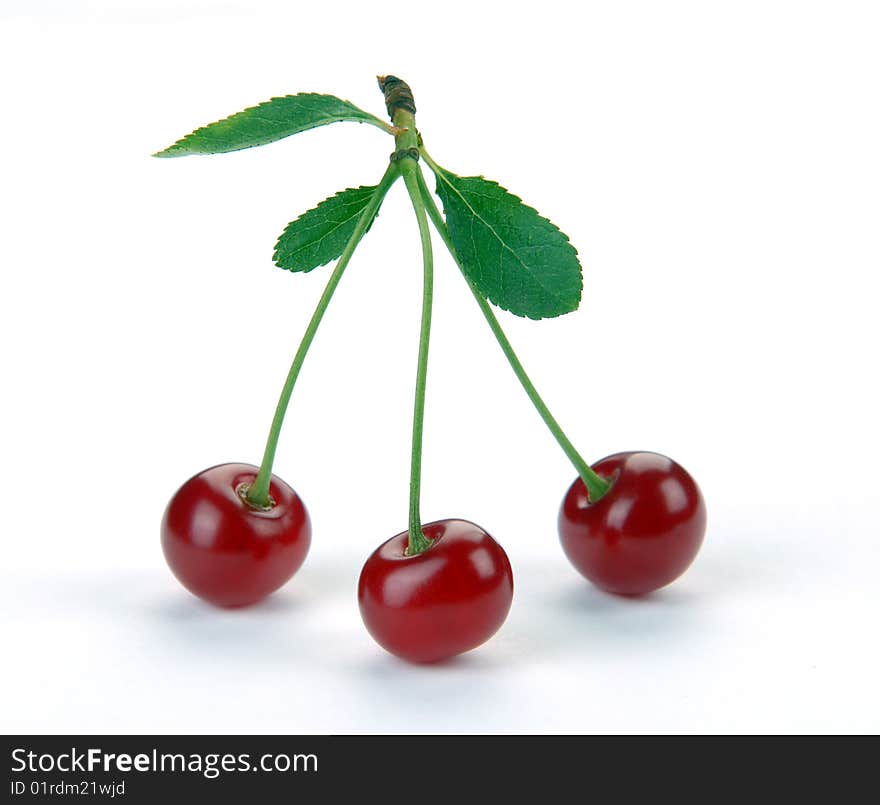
[[313, 209], [360, 117], [441, 173]]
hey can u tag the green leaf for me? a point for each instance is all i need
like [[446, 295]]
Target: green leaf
[[320, 235], [517, 259], [268, 122]]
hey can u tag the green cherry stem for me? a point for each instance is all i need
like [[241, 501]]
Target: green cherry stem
[[418, 542], [595, 484], [399, 101], [258, 494], [402, 110]]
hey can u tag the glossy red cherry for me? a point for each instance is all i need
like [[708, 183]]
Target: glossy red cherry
[[444, 601], [643, 533], [226, 551]]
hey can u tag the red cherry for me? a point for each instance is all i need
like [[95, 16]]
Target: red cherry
[[224, 550], [441, 602], [643, 533]]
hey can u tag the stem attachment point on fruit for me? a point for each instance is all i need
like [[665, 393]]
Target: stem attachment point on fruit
[[243, 491], [420, 544]]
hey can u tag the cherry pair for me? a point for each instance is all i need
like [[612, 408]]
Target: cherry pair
[[424, 607]]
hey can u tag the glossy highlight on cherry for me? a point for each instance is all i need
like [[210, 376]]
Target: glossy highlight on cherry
[[442, 602], [640, 535], [225, 550]]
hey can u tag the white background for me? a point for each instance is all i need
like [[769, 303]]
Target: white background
[[716, 164]]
